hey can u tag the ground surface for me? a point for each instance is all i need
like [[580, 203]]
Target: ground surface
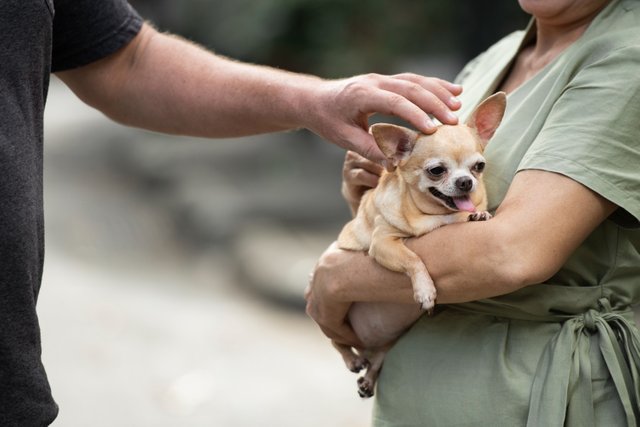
[[140, 328]]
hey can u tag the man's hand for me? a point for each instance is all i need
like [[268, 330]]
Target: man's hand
[[341, 108]]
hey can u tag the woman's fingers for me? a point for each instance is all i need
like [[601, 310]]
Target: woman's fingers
[[360, 170], [325, 307], [361, 178]]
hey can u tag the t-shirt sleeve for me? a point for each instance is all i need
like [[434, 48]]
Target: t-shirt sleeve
[[592, 134], [87, 30]]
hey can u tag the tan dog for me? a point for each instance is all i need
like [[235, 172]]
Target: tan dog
[[437, 181]]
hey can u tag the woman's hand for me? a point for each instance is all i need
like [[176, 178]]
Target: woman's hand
[[341, 277], [326, 300], [358, 175], [338, 110]]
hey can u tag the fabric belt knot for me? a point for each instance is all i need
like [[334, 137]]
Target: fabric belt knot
[[589, 319], [591, 316], [561, 394]]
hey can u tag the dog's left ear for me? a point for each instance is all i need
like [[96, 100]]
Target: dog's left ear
[[396, 142], [487, 116]]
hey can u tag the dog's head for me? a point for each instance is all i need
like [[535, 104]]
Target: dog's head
[[444, 170]]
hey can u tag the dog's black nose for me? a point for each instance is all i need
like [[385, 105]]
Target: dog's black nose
[[464, 183]]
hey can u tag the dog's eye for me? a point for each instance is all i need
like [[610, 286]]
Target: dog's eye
[[436, 171], [479, 167]]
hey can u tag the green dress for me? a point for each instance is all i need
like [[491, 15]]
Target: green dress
[[565, 352]]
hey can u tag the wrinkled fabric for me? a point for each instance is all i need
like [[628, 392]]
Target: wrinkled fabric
[[565, 352]]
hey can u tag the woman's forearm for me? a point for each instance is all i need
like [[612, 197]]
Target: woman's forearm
[[464, 268], [531, 236], [460, 269], [470, 261]]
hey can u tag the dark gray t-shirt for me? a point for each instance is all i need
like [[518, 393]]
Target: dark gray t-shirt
[[38, 37]]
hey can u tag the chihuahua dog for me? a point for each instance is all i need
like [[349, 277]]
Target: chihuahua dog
[[435, 180]]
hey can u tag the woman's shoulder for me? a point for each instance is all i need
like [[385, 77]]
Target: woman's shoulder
[[614, 33]]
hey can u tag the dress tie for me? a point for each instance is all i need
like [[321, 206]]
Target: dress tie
[[563, 397], [561, 393]]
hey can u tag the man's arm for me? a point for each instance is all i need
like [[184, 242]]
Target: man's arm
[[163, 83], [531, 236]]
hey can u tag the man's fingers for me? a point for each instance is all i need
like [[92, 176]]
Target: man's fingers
[[394, 104], [363, 143], [454, 89], [414, 86], [435, 100]]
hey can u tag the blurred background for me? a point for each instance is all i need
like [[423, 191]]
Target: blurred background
[[175, 266]]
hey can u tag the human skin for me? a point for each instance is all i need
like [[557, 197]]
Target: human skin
[[532, 234], [164, 83]]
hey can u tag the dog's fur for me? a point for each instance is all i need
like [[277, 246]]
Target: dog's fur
[[437, 180]]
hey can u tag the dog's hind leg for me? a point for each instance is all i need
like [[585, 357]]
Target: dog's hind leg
[[367, 383], [354, 361]]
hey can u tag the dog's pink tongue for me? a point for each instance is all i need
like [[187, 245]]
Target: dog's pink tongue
[[464, 204]]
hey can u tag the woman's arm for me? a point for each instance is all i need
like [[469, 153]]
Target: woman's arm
[[163, 83], [543, 219]]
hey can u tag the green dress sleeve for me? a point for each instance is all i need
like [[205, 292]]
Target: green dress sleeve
[[592, 133]]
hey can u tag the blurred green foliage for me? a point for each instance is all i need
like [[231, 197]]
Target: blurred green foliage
[[335, 38]]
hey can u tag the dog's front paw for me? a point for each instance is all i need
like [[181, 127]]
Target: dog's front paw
[[479, 216], [426, 298], [365, 388]]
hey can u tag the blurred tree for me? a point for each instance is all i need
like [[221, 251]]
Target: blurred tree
[[335, 38]]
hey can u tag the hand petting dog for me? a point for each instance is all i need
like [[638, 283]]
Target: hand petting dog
[[340, 109]]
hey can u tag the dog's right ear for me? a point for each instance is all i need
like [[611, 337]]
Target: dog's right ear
[[487, 116], [396, 142]]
